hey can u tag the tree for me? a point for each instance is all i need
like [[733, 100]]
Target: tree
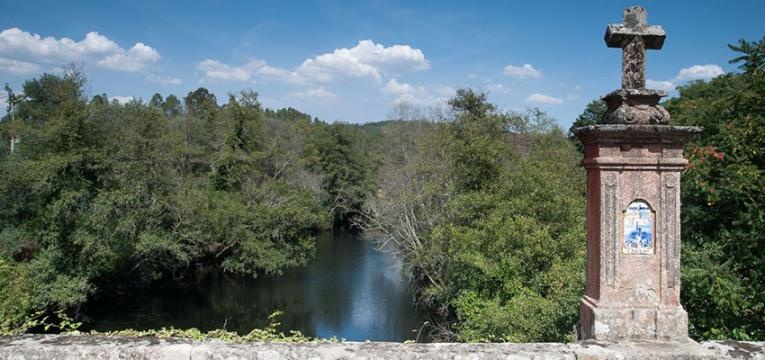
[[156, 101], [171, 106], [478, 148], [201, 102], [345, 170], [753, 57], [723, 190], [592, 115], [487, 213]]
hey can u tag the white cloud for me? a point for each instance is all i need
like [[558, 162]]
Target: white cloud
[[445, 91], [660, 85], [164, 80], [698, 72], [522, 72], [538, 98], [314, 94], [122, 100], [406, 93], [18, 67], [366, 59], [23, 46], [497, 88], [578, 88], [695, 72], [216, 70], [396, 88], [138, 58]]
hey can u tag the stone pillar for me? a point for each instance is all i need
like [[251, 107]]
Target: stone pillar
[[633, 161], [633, 232]]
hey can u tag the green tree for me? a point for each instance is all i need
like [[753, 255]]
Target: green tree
[[171, 106], [592, 115], [487, 212], [156, 101], [346, 171], [753, 58], [723, 191]]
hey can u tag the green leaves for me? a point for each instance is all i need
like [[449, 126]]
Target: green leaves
[[723, 190], [106, 197], [488, 212]]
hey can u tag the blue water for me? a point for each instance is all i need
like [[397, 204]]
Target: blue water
[[350, 290]]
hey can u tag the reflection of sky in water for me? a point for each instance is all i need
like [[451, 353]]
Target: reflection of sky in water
[[350, 291]]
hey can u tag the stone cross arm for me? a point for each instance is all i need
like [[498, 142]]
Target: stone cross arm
[[618, 35], [634, 36]]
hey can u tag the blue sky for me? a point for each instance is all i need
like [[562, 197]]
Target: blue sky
[[353, 60]]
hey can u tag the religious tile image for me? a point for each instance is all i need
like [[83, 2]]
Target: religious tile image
[[638, 228]]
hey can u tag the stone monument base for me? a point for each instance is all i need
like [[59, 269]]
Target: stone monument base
[[621, 323]]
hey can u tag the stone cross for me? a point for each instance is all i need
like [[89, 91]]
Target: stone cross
[[634, 36], [634, 161]]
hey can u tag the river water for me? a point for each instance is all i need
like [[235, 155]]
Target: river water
[[350, 290]]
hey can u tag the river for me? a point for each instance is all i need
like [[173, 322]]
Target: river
[[350, 290]]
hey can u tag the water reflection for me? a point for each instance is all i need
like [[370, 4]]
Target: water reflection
[[350, 290]]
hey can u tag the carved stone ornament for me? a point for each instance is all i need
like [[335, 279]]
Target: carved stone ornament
[[635, 107]]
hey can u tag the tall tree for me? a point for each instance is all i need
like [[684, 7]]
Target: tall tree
[[753, 58], [592, 115], [723, 192]]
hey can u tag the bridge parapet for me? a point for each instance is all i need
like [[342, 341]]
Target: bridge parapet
[[65, 347]]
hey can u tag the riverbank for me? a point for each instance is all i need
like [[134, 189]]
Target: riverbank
[[103, 347]]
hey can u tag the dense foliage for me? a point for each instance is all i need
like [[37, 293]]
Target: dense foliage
[[488, 213], [96, 196], [485, 207], [723, 194]]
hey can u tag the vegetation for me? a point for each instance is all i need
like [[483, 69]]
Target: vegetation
[[101, 197], [487, 211], [270, 333], [485, 207], [723, 192]]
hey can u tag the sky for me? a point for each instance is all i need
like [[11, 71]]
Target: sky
[[352, 61]]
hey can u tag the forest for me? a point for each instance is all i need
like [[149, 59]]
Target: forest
[[486, 207]]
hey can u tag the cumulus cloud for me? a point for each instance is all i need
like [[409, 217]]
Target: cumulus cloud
[[216, 70], [249, 71], [314, 94], [122, 100], [365, 60], [416, 95], [163, 80], [695, 72], [525, 71], [18, 67], [396, 88], [135, 59], [25, 47], [698, 72], [538, 98]]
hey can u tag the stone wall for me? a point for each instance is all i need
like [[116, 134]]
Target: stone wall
[[29, 347]]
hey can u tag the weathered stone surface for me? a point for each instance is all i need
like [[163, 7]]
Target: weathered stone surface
[[64, 347], [635, 107], [634, 36], [633, 292]]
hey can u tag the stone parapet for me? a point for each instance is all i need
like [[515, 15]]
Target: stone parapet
[[64, 347]]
